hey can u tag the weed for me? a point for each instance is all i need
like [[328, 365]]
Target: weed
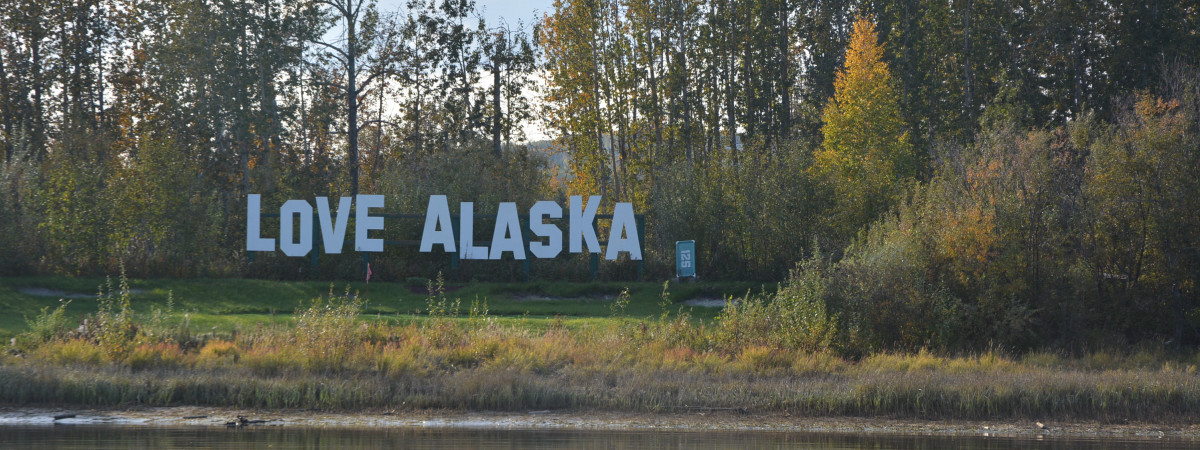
[[49, 324], [115, 330], [664, 301], [618, 305], [436, 303]]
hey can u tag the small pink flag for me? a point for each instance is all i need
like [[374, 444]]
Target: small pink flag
[[368, 272]]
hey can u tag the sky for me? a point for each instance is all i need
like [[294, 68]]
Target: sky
[[493, 10]]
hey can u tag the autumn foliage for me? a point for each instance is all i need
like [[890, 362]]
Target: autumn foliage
[[866, 158], [954, 175]]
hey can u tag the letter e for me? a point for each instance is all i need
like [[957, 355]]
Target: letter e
[[364, 223]]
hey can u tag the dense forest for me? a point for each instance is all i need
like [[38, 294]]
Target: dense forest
[[941, 174]]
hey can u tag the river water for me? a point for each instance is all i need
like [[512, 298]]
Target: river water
[[95, 437]]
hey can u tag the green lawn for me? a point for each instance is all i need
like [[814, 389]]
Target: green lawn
[[230, 303]]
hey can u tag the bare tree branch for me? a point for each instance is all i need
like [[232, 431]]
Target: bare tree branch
[[341, 52], [363, 86], [335, 5]]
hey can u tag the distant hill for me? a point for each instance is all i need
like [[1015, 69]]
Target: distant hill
[[557, 159]]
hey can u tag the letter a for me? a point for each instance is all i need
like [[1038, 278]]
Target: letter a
[[437, 213], [506, 237], [623, 223]]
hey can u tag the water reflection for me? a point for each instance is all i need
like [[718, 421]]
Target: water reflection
[[94, 437]]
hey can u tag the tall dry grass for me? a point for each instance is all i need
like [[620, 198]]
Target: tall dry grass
[[331, 358]]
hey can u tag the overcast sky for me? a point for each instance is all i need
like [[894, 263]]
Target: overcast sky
[[493, 10]]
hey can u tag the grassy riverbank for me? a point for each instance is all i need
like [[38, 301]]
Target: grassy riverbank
[[872, 388], [760, 356]]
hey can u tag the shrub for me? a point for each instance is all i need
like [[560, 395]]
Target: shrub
[[218, 353], [48, 325], [70, 352], [794, 318], [154, 355]]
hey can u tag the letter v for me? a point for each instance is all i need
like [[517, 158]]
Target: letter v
[[334, 234]]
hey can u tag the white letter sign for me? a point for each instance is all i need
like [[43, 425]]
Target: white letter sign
[[254, 240], [287, 241], [623, 221], [507, 235], [437, 213], [333, 232], [580, 227], [364, 222], [539, 228]]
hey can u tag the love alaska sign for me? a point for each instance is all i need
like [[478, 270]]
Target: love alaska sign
[[439, 231]]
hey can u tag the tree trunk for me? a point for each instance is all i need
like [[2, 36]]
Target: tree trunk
[[35, 120], [6, 106], [418, 143], [352, 100], [785, 120], [378, 139], [496, 105], [968, 101]]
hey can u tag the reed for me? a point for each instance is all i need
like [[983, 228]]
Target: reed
[[329, 357]]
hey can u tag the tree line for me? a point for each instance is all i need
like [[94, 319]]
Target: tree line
[[132, 130], [971, 171]]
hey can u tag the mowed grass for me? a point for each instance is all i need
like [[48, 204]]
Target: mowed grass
[[230, 304]]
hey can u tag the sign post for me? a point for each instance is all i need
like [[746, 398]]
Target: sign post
[[685, 259]]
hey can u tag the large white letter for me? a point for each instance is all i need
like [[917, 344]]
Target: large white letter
[[539, 228], [333, 232], [466, 238], [438, 212], [364, 222], [287, 241], [254, 240], [580, 227], [506, 237], [623, 220]]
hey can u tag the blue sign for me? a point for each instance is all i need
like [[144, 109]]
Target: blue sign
[[685, 259]]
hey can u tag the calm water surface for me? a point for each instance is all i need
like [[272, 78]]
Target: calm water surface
[[146, 437]]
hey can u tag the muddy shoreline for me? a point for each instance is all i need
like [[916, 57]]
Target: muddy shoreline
[[585, 420]]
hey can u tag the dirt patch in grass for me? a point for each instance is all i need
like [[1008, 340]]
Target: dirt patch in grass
[[549, 298], [47, 292]]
